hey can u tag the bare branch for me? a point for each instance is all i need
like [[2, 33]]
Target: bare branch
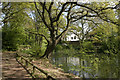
[[3, 8], [42, 15], [51, 4], [38, 10], [63, 8], [97, 12], [68, 22]]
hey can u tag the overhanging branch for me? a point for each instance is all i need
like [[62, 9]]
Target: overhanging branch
[[68, 22], [39, 35]]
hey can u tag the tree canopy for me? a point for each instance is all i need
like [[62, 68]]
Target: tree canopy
[[47, 23]]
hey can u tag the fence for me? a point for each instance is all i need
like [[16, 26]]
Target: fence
[[27, 64]]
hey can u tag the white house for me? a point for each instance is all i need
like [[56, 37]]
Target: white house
[[72, 37]]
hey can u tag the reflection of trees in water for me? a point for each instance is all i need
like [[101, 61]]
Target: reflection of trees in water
[[89, 66], [109, 67]]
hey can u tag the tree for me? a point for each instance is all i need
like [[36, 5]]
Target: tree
[[118, 10], [51, 25], [14, 21], [57, 18], [67, 9]]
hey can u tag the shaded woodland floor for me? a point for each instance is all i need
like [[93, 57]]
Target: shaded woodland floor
[[11, 68]]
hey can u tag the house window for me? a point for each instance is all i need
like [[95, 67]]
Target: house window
[[71, 37], [74, 37], [68, 38]]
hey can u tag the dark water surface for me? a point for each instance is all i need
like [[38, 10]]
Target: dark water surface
[[89, 66]]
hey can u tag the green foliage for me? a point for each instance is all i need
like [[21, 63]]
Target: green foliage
[[88, 45], [12, 38], [34, 49], [13, 28], [65, 50], [58, 47], [112, 45], [98, 38], [22, 18]]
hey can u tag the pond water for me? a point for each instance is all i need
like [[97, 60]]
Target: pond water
[[89, 66]]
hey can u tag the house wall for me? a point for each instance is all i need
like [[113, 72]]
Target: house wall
[[72, 37]]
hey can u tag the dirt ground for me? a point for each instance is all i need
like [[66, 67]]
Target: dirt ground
[[10, 67], [52, 69]]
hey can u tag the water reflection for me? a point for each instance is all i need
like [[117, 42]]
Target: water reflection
[[88, 66]]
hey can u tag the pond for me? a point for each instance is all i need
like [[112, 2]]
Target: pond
[[89, 65]]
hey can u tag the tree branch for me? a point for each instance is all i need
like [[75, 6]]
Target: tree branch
[[68, 22], [97, 12], [39, 35], [78, 18], [42, 15], [63, 8], [11, 15]]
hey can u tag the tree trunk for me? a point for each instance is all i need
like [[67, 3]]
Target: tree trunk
[[48, 51]]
